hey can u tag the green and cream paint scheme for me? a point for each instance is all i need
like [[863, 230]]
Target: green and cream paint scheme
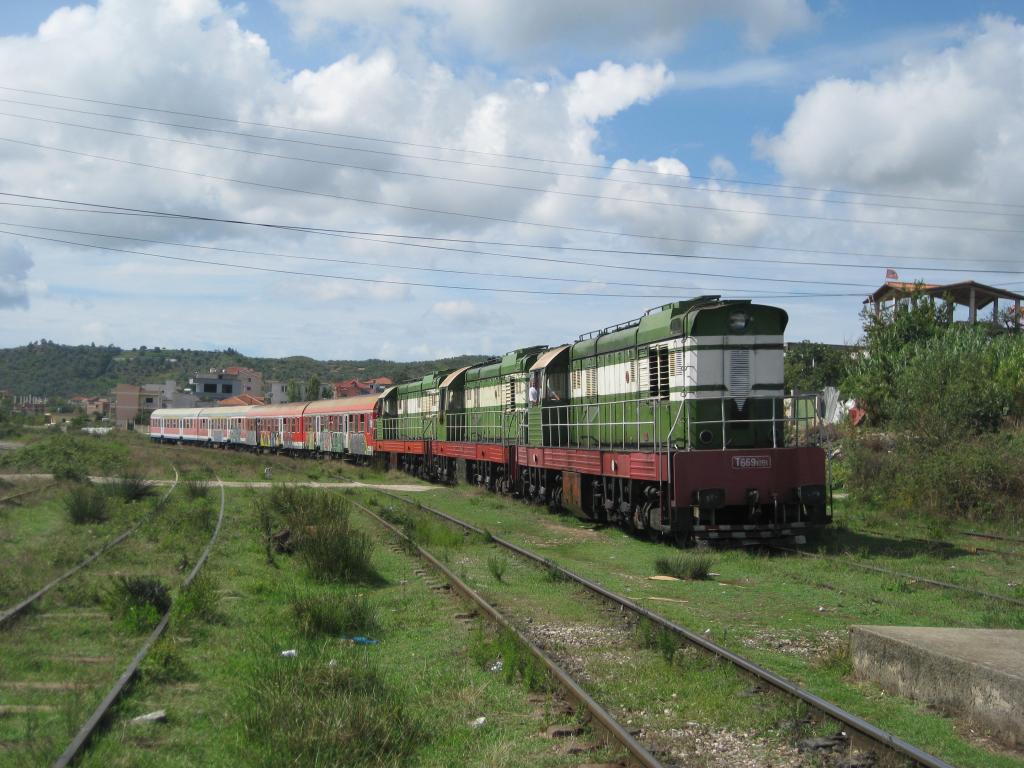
[[698, 374]]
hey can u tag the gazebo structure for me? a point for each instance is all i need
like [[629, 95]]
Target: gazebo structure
[[974, 296]]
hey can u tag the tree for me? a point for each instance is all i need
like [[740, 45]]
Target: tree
[[811, 366], [313, 386], [889, 341], [294, 391]]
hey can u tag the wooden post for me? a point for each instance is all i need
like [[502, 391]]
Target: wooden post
[[995, 311], [973, 317], [1016, 314]]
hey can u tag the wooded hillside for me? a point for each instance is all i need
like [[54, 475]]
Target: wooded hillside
[[46, 368]]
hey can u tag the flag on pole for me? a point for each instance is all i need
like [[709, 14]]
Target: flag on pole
[[891, 274]]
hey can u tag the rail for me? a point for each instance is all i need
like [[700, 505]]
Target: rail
[[611, 726], [96, 718], [908, 576], [19, 608], [20, 494], [848, 719]]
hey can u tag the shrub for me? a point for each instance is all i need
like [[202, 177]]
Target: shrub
[[138, 601], [68, 457], [198, 601], [86, 504], [322, 614], [320, 532], [312, 710], [686, 565], [195, 488], [163, 664], [333, 551], [131, 487], [432, 533]]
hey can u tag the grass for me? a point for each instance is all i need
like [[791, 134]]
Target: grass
[[503, 651], [45, 646], [86, 504], [325, 708], [497, 565], [198, 601], [326, 614], [195, 487], [232, 699], [320, 531], [790, 614], [131, 487], [686, 565]]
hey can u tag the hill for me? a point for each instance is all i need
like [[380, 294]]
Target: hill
[[49, 369]]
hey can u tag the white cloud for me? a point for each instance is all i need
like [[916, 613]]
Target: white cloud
[[611, 88], [951, 120], [15, 263], [455, 309], [531, 30]]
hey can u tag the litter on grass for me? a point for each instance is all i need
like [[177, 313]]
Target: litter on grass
[[291, 653], [360, 640], [478, 722]]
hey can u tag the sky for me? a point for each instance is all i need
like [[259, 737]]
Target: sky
[[412, 179]]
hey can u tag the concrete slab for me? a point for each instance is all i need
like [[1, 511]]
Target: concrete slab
[[973, 673]]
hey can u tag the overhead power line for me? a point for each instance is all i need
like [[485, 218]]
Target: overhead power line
[[412, 241], [451, 161], [356, 262], [378, 281], [529, 158], [496, 219]]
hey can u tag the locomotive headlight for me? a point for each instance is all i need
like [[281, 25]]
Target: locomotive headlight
[[738, 322]]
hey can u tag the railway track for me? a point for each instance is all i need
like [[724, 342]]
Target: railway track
[[863, 731], [598, 714], [21, 494], [15, 610], [92, 725], [907, 576], [994, 536]]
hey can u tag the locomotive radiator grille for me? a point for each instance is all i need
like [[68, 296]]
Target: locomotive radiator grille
[[739, 376]]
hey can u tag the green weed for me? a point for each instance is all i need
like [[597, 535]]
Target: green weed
[[131, 487], [328, 614], [313, 710], [496, 565], [686, 565], [657, 638], [86, 504], [195, 488], [198, 601], [505, 653], [137, 601]]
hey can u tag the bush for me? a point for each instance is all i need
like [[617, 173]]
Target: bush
[[312, 710], [321, 533], [195, 488], [86, 504], [321, 614], [138, 601], [131, 487], [68, 457], [686, 565], [198, 601]]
